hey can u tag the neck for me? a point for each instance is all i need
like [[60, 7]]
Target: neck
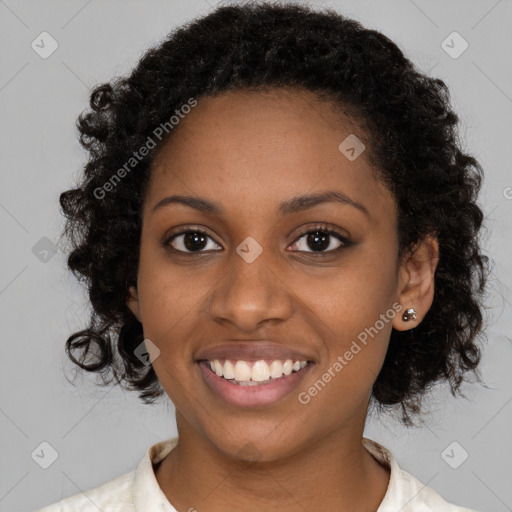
[[336, 473]]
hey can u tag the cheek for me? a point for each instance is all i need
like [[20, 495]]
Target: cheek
[[354, 353], [353, 312], [353, 296], [167, 294], [173, 308]]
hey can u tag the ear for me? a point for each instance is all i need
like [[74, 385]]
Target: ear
[[416, 281], [133, 302]]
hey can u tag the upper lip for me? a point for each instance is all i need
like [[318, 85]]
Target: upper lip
[[252, 351]]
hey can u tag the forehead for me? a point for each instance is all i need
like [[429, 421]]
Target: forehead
[[262, 147]]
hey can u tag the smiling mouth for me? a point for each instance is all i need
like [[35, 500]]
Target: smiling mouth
[[254, 373]]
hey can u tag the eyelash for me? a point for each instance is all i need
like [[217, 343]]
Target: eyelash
[[322, 228]]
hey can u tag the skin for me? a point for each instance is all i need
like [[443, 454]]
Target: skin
[[248, 151]]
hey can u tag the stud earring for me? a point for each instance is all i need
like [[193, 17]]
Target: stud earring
[[410, 314]]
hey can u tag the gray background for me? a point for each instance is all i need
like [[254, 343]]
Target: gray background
[[100, 433]]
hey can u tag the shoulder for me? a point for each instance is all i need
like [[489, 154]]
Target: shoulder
[[130, 492], [113, 496], [405, 492], [421, 498]]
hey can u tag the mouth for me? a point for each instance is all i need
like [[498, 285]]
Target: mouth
[[254, 373], [258, 383]]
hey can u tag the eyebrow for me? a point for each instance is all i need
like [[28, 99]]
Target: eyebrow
[[288, 207]]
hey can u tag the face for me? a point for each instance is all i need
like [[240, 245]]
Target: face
[[248, 279]]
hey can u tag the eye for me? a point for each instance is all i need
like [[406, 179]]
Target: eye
[[191, 240], [320, 238]]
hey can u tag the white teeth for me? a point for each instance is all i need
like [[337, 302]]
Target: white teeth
[[260, 371], [287, 367], [229, 370], [276, 369], [242, 373], [218, 368]]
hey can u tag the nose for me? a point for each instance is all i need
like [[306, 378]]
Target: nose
[[251, 294]]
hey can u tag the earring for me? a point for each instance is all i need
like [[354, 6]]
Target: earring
[[410, 314]]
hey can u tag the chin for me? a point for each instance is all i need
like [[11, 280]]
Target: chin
[[257, 445]]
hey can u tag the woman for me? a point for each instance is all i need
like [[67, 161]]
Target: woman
[[278, 229]]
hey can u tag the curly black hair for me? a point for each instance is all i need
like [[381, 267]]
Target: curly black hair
[[413, 141]]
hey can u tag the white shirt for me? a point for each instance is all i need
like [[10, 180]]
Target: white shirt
[[138, 491]]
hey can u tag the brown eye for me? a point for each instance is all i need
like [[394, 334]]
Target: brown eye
[[322, 240], [192, 240]]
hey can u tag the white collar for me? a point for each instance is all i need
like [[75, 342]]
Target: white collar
[[404, 490]]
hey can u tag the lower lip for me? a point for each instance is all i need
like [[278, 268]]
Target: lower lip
[[262, 395]]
